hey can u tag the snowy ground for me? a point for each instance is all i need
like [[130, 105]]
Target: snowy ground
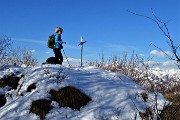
[[114, 96], [164, 73]]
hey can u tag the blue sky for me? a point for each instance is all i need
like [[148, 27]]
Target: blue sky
[[105, 25]]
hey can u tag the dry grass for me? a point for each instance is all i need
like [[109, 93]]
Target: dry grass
[[171, 112], [11, 81], [66, 97], [70, 97], [41, 107], [2, 100], [174, 98], [31, 87]]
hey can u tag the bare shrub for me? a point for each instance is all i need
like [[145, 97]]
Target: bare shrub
[[15, 56], [60, 76], [141, 71], [144, 96], [19, 56], [5, 44], [130, 66]]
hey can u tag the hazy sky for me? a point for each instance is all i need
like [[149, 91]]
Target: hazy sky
[[105, 25]]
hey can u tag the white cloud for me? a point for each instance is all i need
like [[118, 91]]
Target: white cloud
[[31, 51], [73, 59], [151, 62], [160, 53], [168, 63], [47, 52], [30, 40], [142, 55], [44, 43]]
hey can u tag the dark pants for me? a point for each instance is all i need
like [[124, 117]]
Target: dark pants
[[58, 55]]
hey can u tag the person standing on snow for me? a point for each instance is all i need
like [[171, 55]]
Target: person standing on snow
[[58, 45]]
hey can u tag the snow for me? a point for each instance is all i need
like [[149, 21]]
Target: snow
[[175, 73], [114, 95]]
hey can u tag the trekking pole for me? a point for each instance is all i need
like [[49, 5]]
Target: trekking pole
[[66, 58]]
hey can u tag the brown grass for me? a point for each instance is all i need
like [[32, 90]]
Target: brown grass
[[11, 81], [31, 87], [2, 100], [171, 112], [70, 97], [174, 98], [41, 107]]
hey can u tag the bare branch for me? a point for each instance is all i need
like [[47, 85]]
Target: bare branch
[[164, 29]]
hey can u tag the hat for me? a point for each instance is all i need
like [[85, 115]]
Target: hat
[[57, 29]]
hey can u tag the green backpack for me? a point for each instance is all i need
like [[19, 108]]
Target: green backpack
[[51, 41]]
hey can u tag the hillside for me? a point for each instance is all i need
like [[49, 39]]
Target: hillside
[[114, 96]]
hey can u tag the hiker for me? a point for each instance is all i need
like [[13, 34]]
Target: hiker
[[58, 45]]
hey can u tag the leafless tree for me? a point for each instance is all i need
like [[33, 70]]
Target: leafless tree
[[5, 44], [175, 57], [15, 56], [165, 31], [21, 56]]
